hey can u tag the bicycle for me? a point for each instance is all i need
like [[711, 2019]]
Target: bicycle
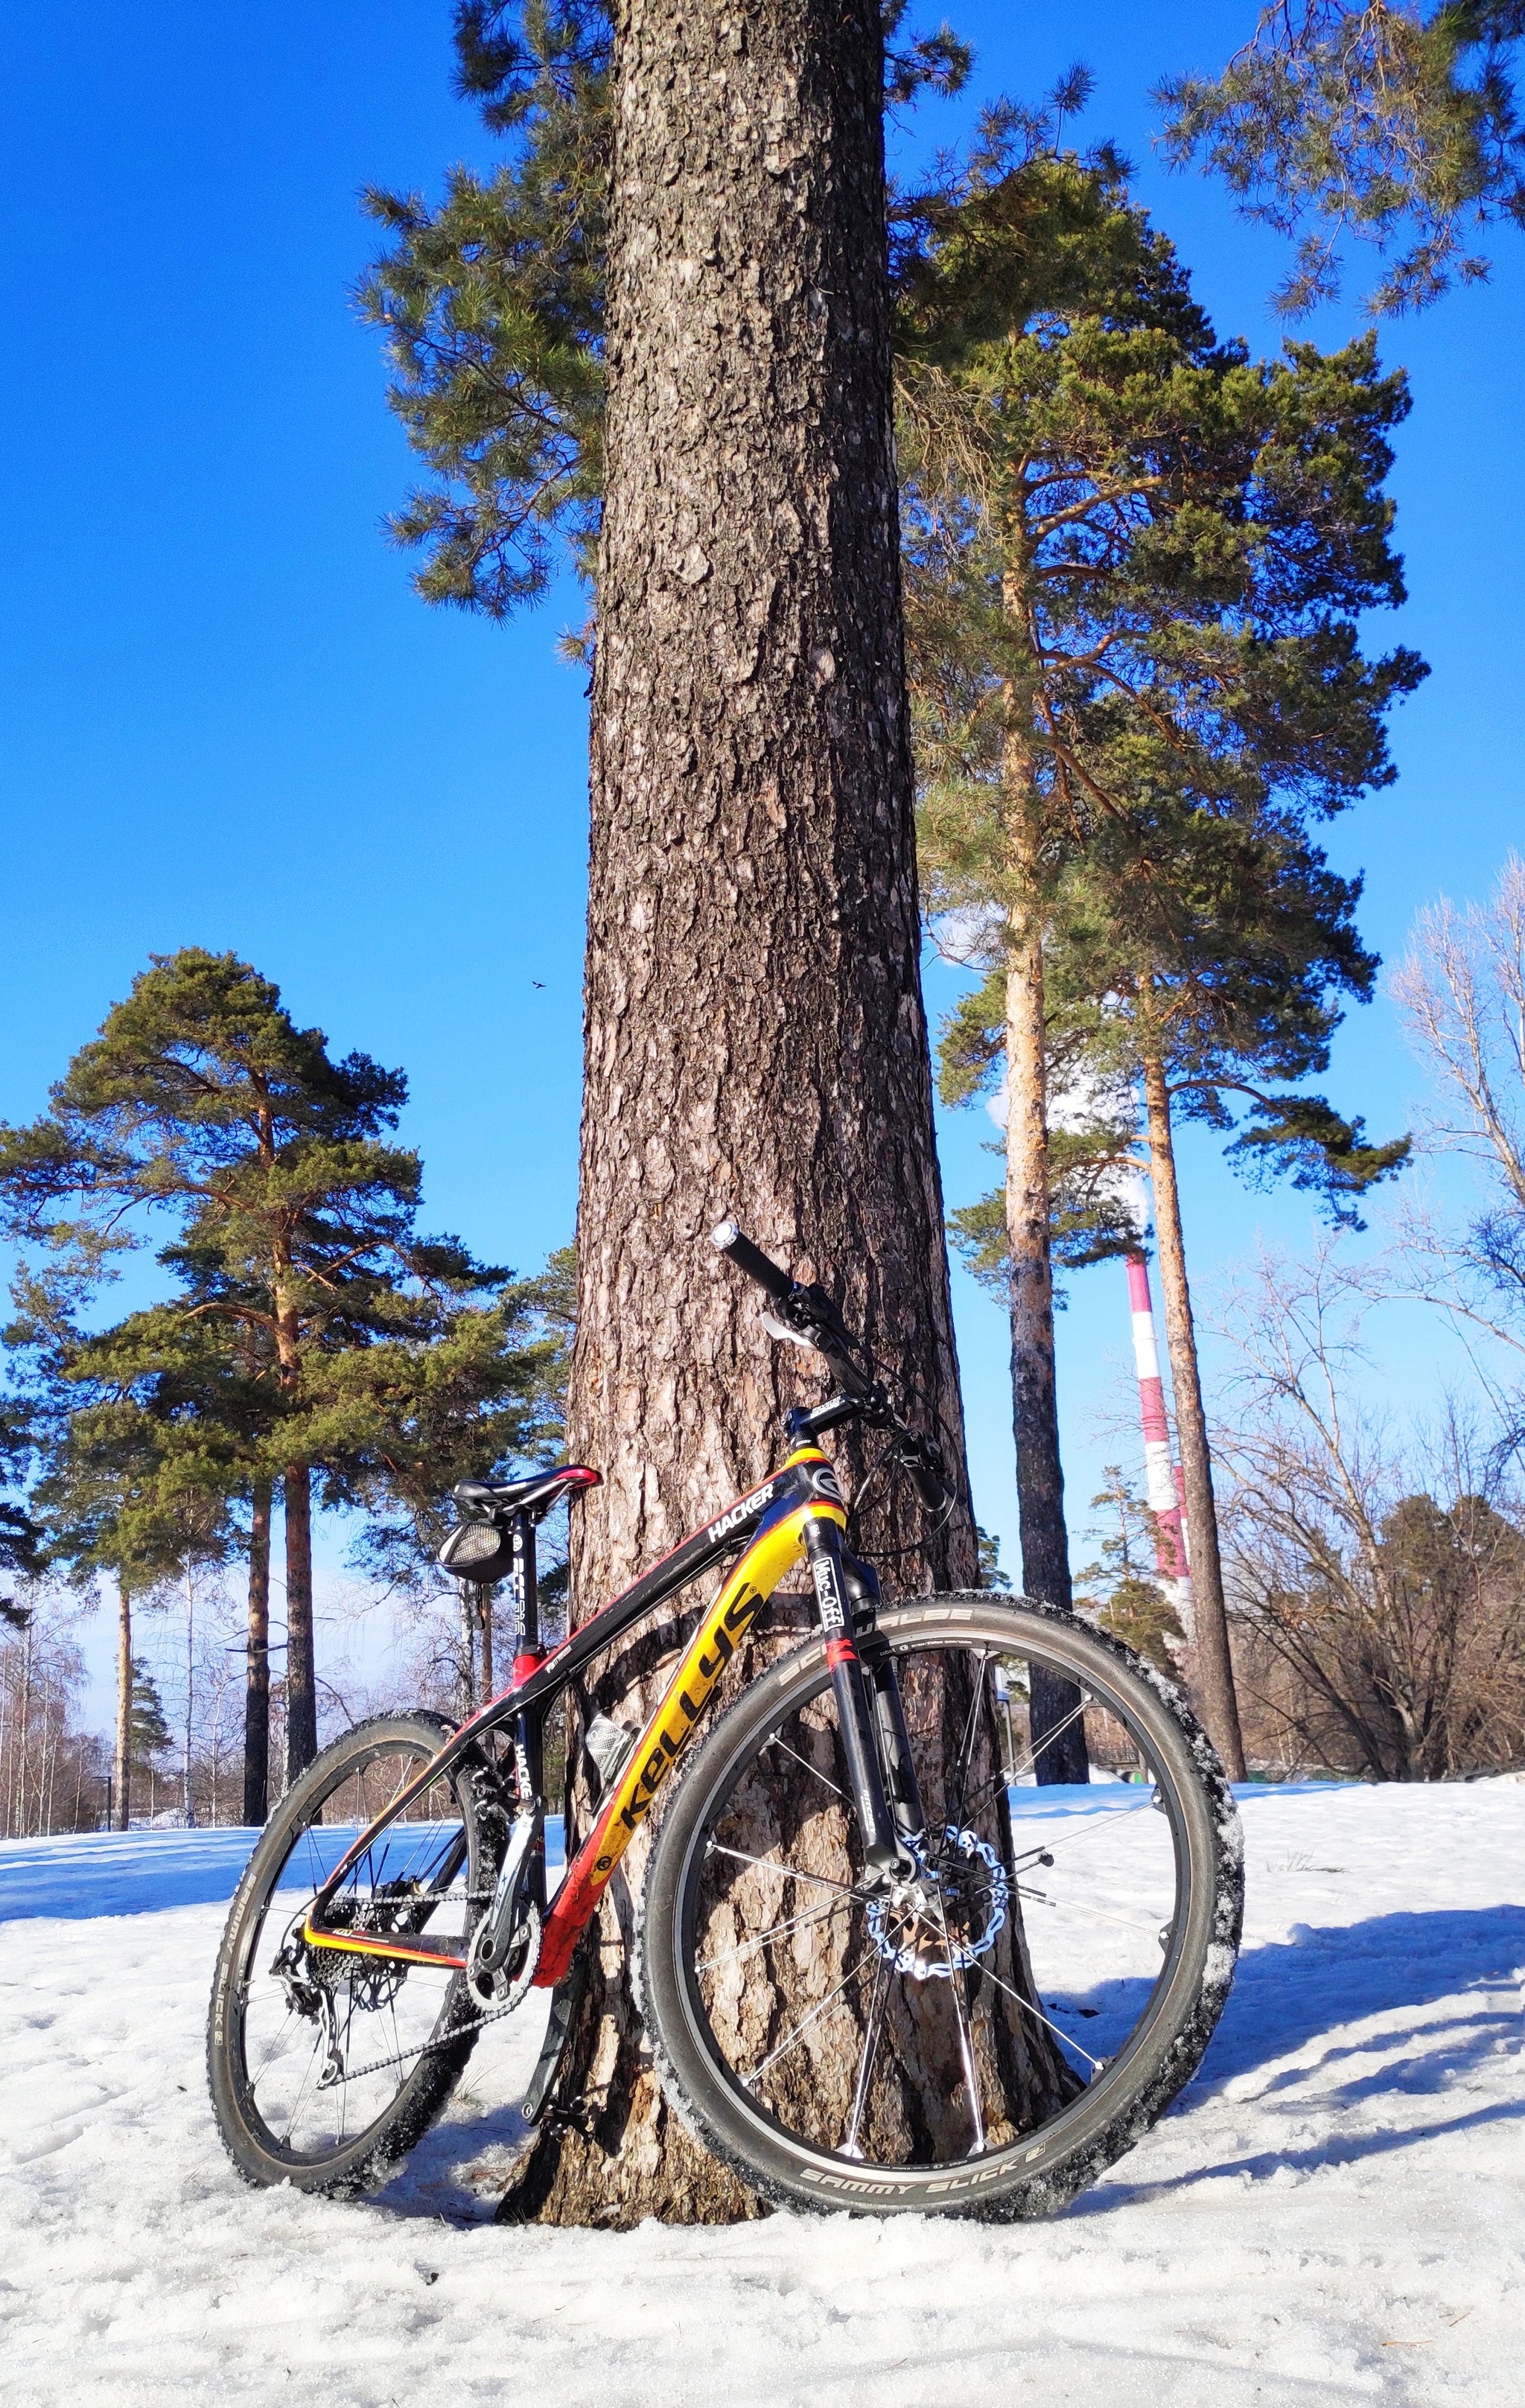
[[880, 1965]]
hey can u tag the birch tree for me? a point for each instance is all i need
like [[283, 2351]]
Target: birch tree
[[1462, 995]]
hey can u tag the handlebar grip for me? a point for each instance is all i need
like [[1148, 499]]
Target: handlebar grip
[[751, 1260]]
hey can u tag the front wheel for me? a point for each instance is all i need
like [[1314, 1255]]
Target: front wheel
[[991, 2031]]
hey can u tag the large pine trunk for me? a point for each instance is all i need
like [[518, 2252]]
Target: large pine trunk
[[257, 1800], [756, 1040], [1214, 1666]]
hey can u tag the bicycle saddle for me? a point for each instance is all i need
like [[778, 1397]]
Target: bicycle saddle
[[492, 1499]]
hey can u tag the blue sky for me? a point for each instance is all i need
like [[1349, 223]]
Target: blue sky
[[229, 722]]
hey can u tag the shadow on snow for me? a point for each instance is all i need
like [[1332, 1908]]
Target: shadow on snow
[[1289, 1996]]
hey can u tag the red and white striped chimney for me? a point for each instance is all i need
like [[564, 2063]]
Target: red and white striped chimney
[[1162, 1481]]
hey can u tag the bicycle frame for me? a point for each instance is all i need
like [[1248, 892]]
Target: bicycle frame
[[781, 1523]]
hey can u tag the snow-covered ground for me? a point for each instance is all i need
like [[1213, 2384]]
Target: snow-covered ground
[[1334, 2211]]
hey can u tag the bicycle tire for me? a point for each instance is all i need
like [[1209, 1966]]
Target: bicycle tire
[[1040, 2170], [367, 2156]]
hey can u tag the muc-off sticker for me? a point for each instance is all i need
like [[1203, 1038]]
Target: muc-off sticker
[[828, 1593]]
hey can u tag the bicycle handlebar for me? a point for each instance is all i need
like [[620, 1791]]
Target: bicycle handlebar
[[810, 1310], [751, 1260]]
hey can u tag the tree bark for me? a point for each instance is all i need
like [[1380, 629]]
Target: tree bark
[[256, 1804], [755, 1040], [124, 1704], [1053, 1705], [301, 1684], [1214, 1667]]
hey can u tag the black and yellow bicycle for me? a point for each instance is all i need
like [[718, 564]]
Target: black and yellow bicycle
[[882, 1965]]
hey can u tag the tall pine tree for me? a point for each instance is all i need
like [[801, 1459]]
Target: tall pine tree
[[1368, 120], [1135, 558], [754, 1030], [293, 1222]]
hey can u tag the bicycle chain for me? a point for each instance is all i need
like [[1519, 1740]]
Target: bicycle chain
[[446, 2040]]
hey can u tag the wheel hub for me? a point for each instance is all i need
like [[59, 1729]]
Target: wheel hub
[[948, 1913]]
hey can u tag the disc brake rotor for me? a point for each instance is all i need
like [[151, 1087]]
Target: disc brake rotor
[[945, 1918]]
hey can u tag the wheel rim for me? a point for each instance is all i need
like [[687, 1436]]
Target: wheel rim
[[983, 2016], [324, 2043]]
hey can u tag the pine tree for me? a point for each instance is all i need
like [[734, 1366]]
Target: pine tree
[[202, 1103], [117, 1489], [753, 930], [20, 1537], [494, 302], [149, 1732], [1135, 558], [1117, 1587], [1225, 954], [1372, 121], [206, 1380], [480, 1394]]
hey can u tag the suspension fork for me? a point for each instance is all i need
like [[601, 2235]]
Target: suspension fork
[[856, 1716], [875, 1654]]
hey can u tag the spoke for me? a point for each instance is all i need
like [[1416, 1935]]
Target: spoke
[[1094, 1914], [1049, 1737], [760, 1938], [966, 1747], [1011, 1774], [790, 1872], [750, 2080], [397, 2036], [852, 2146], [1028, 2008], [966, 2038], [1093, 1827], [268, 2058], [296, 2103], [804, 1760]]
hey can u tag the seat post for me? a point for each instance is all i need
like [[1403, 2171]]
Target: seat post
[[528, 1656], [523, 1586], [521, 1581]]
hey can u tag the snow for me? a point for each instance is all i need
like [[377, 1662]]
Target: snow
[[1332, 2212], [140, 1872]]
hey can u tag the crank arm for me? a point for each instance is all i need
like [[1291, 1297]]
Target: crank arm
[[495, 1932]]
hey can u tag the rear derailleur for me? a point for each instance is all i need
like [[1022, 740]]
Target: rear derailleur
[[310, 1997]]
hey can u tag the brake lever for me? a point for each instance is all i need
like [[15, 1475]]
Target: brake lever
[[777, 1328]]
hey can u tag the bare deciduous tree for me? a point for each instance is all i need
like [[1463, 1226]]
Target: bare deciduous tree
[[52, 1775], [1381, 1630], [1462, 993]]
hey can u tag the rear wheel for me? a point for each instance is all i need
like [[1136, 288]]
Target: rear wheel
[[992, 2032], [327, 2067]]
